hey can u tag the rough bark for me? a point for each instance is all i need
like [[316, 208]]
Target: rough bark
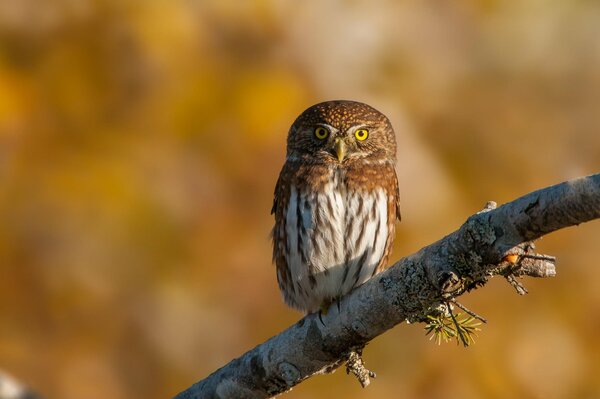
[[408, 290]]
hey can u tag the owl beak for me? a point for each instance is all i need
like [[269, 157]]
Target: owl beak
[[340, 149]]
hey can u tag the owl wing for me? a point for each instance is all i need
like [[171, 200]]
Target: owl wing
[[279, 194], [276, 195], [391, 182], [397, 194], [280, 204]]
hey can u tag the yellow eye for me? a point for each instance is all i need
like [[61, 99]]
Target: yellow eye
[[321, 133], [361, 134]]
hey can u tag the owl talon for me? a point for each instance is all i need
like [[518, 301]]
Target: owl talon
[[324, 308], [321, 316]]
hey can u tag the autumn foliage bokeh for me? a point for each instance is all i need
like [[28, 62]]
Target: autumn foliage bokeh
[[140, 142]]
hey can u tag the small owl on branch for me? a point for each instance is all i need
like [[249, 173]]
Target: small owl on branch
[[336, 203]]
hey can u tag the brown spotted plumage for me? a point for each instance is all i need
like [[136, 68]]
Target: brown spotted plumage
[[336, 203]]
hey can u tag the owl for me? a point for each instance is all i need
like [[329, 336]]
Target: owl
[[336, 203]]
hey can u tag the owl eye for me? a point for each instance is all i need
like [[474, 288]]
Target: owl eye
[[321, 133], [361, 134]]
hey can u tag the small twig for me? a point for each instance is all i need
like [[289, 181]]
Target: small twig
[[523, 261], [467, 311], [458, 329], [489, 206], [548, 258], [356, 366], [516, 284]]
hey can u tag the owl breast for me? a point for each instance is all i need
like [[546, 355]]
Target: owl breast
[[336, 240]]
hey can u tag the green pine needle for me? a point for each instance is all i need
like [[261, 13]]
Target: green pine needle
[[442, 328]]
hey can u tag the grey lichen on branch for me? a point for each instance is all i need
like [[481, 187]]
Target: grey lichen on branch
[[356, 365], [491, 242]]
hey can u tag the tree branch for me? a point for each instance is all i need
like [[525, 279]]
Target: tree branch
[[486, 244], [10, 388]]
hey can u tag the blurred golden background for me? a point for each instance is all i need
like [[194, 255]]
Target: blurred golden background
[[140, 142]]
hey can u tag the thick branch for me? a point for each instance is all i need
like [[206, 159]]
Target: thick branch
[[406, 291]]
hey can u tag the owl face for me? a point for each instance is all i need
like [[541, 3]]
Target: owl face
[[341, 132]]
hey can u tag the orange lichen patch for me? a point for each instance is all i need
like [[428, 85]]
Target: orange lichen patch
[[512, 258]]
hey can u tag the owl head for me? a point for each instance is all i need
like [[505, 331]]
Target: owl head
[[341, 132]]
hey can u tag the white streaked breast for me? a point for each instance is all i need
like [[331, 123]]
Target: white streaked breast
[[340, 247]]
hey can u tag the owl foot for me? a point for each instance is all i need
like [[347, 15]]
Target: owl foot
[[325, 306], [321, 316], [356, 366], [323, 309]]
